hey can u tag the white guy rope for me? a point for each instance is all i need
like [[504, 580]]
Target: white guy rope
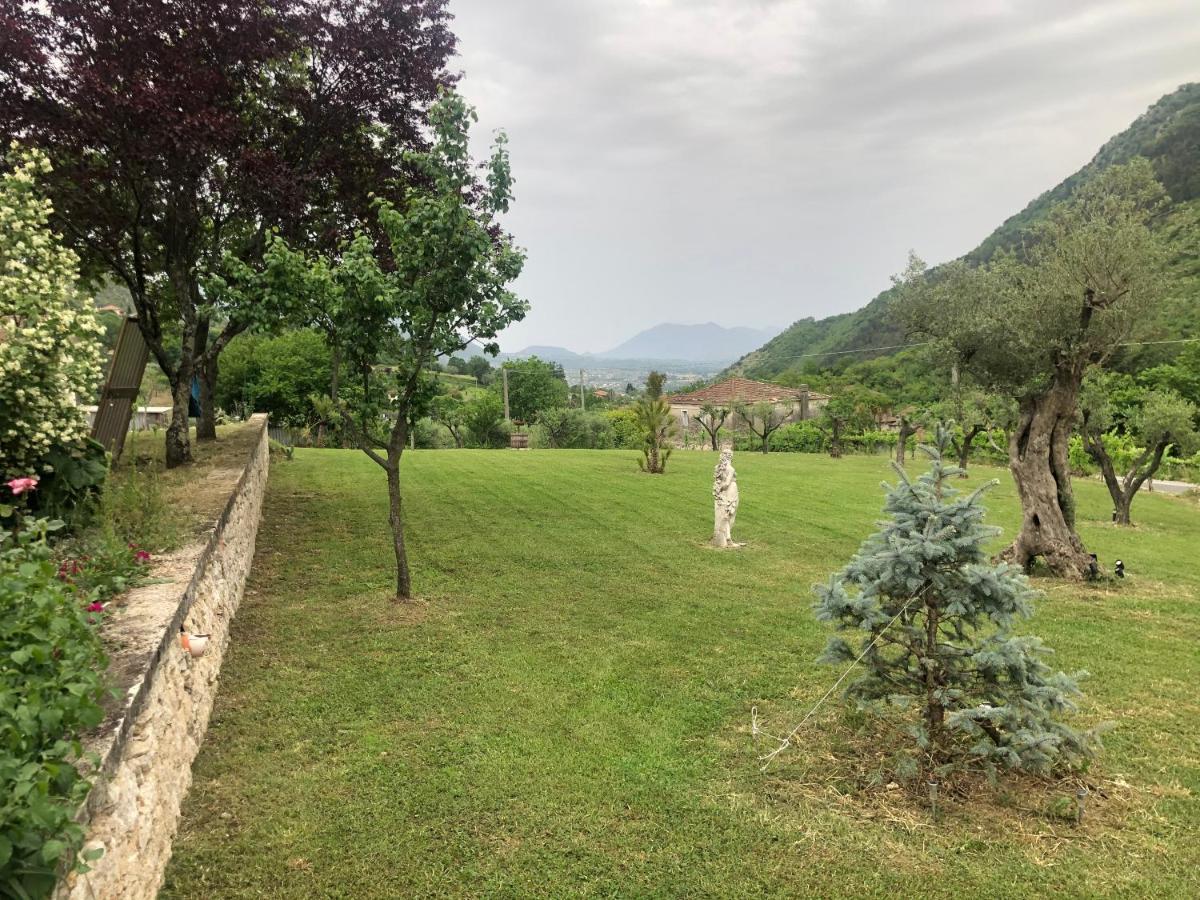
[[785, 742]]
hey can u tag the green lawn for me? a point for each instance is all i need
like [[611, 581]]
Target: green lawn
[[568, 714]]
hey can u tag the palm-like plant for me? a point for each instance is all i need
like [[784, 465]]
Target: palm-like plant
[[654, 420]]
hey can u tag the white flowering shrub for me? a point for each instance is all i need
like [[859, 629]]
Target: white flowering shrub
[[50, 354]]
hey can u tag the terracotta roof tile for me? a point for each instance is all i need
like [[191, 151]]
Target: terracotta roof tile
[[743, 390]]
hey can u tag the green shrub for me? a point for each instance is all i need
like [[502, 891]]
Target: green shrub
[[626, 434], [485, 421], [50, 690], [799, 437], [872, 441], [572, 429]]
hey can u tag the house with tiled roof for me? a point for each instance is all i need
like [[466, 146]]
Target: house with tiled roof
[[794, 403]]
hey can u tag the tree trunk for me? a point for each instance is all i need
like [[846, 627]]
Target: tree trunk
[[906, 431], [935, 712], [206, 425], [335, 370], [766, 439], [964, 449], [713, 436], [1037, 453], [396, 520], [835, 439], [179, 446]]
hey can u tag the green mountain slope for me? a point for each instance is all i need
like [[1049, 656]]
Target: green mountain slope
[[1168, 134]]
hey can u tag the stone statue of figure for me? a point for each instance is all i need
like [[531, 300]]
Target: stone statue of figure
[[725, 500]]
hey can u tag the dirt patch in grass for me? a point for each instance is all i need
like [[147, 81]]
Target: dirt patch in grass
[[846, 766]]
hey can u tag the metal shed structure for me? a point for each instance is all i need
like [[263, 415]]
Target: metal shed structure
[[121, 387]]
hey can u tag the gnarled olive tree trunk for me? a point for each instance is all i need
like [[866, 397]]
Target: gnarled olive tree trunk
[[1037, 453]]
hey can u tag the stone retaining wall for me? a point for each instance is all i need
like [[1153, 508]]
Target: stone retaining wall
[[146, 751]]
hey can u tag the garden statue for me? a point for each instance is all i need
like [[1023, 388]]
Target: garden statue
[[725, 500]]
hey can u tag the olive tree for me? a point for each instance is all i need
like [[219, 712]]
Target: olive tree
[[1032, 323], [1162, 419], [711, 418], [763, 419]]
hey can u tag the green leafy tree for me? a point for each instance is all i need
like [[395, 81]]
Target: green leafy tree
[[657, 427], [534, 385], [485, 420], [1032, 325], [276, 375], [912, 419], [443, 284], [972, 411], [451, 412], [850, 409], [1160, 420], [763, 420], [933, 621], [481, 369], [711, 418], [1182, 375], [654, 384]]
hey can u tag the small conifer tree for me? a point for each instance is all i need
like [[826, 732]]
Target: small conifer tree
[[935, 618]]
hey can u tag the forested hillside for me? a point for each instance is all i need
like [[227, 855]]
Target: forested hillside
[[1168, 134]]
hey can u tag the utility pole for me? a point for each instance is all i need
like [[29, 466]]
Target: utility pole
[[582, 400], [504, 375]]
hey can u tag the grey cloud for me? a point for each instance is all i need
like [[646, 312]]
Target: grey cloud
[[755, 162]]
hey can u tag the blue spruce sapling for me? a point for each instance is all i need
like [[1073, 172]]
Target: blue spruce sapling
[[935, 616]]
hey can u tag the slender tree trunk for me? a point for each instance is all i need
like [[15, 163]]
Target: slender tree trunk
[[835, 439], [906, 431], [935, 712], [335, 371], [396, 521], [206, 425], [1124, 490], [964, 449], [1037, 452], [766, 439]]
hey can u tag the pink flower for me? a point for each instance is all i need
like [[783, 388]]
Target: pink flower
[[142, 556], [95, 607], [20, 485]]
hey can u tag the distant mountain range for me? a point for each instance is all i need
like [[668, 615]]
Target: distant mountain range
[[1167, 134], [708, 344]]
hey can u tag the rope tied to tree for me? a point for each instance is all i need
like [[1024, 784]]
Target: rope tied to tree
[[786, 741]]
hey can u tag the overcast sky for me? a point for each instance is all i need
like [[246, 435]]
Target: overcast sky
[[753, 162]]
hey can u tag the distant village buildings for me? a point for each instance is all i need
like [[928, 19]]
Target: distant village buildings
[[792, 404]]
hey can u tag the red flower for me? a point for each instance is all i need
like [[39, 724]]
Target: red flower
[[142, 556], [95, 607]]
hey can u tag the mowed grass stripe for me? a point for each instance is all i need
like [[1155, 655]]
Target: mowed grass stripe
[[566, 714]]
